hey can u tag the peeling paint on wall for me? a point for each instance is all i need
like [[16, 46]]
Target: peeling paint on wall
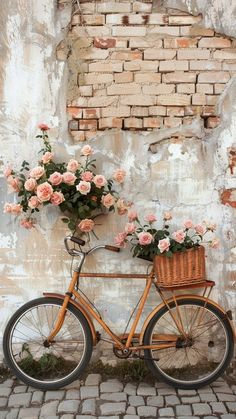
[[215, 13]]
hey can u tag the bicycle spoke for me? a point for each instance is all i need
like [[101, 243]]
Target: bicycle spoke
[[200, 352], [59, 360]]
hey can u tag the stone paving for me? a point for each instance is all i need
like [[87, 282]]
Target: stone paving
[[111, 399]]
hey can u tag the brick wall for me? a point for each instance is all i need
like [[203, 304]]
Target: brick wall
[[144, 70]]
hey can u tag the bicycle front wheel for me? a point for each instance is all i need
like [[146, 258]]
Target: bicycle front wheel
[[31, 360], [200, 353]]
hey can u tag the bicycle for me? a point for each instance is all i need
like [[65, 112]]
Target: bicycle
[[186, 341]]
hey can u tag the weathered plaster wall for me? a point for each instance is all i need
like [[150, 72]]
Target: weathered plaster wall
[[181, 169], [216, 14], [191, 170], [33, 85]]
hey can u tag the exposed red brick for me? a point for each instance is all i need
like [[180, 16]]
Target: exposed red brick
[[133, 123], [110, 122], [192, 110], [228, 197], [232, 159], [142, 81], [208, 110], [90, 124], [172, 122], [74, 112], [152, 122], [184, 42], [212, 122], [91, 113], [104, 43], [73, 125]]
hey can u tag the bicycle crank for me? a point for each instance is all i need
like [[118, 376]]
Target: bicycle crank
[[121, 353]]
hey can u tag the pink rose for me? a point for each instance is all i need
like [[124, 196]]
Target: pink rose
[[87, 176], [119, 175], [130, 228], [47, 157], [167, 216], [120, 239], [33, 202], [7, 208], [44, 192], [83, 187], [99, 181], [14, 209], [43, 127], [72, 165], [69, 178], [14, 183], [27, 223], [163, 245], [215, 243], [150, 218], [179, 236], [188, 224], [55, 178], [122, 206], [30, 184], [57, 198], [86, 225], [132, 215], [145, 238], [7, 171], [86, 150], [108, 200], [200, 229], [37, 172]]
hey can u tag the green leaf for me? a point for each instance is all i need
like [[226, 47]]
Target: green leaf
[[71, 225], [93, 204], [65, 220], [76, 196]]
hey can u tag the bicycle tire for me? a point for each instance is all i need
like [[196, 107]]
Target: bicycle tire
[[32, 362], [203, 361]]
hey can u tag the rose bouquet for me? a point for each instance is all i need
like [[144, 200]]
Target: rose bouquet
[[147, 241], [74, 187]]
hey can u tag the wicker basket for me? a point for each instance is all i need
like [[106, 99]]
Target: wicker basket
[[182, 268]]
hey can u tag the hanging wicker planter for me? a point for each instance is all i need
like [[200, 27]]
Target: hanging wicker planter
[[182, 268]]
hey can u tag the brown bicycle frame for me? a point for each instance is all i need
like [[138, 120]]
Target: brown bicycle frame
[[117, 340]]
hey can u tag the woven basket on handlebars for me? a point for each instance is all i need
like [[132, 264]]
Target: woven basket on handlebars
[[182, 268]]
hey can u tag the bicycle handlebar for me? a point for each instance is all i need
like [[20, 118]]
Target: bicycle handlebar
[[80, 242], [77, 240], [112, 248]]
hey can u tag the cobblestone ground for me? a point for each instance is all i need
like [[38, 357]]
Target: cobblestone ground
[[111, 399]]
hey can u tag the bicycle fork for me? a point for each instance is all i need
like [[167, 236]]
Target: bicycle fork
[[62, 312]]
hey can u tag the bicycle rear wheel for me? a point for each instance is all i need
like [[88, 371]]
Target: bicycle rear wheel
[[47, 367], [198, 357]]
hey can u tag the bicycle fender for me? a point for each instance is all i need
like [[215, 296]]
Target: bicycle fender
[[179, 297], [79, 307]]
